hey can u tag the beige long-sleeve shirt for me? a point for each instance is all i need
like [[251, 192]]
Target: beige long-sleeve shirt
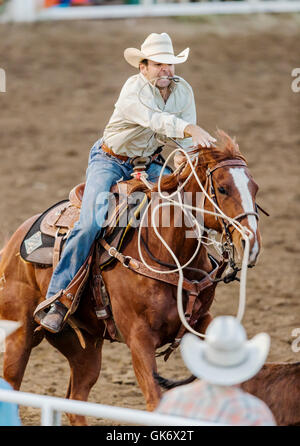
[[141, 120]]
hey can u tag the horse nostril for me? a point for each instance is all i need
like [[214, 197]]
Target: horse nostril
[[243, 244]]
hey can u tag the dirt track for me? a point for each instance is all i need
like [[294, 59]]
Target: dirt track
[[62, 82]]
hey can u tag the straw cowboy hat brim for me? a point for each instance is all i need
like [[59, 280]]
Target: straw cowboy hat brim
[[7, 328], [193, 354], [134, 56], [158, 48]]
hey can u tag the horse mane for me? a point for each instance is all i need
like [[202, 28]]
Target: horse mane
[[225, 148]]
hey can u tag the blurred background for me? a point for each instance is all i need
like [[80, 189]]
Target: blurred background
[[62, 81]]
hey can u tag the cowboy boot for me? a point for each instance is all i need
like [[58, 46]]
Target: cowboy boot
[[53, 321]]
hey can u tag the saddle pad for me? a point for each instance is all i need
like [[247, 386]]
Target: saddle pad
[[36, 246]]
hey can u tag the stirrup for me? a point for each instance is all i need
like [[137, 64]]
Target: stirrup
[[39, 312], [57, 314]]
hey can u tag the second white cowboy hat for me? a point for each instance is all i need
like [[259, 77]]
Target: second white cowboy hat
[[158, 48], [225, 357]]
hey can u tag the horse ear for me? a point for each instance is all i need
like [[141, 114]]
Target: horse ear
[[225, 142], [222, 138], [217, 134]]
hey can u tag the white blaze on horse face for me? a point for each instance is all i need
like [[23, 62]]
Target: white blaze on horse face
[[241, 181]]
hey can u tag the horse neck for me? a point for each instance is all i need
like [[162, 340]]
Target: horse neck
[[175, 238], [176, 230], [179, 235], [193, 187]]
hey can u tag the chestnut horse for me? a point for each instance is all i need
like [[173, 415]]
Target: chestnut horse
[[144, 309]]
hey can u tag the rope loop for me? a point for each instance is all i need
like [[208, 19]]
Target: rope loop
[[187, 209]]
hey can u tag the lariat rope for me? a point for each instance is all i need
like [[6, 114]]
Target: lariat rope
[[245, 233], [187, 210]]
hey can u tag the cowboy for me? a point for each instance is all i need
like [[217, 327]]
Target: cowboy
[[153, 105], [222, 361]]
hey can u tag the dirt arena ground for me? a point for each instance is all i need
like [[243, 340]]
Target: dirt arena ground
[[62, 82]]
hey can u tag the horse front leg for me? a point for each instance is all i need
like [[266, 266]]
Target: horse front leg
[[18, 345], [85, 365], [142, 347], [16, 356]]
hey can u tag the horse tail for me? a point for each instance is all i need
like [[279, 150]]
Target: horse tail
[[168, 384]]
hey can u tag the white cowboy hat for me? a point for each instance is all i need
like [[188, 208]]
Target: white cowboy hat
[[225, 357], [158, 48], [7, 328]]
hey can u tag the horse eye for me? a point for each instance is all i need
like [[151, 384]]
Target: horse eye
[[222, 190]]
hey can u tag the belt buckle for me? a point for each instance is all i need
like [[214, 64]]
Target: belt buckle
[[140, 161]]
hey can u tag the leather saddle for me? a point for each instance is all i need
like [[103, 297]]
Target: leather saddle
[[44, 242], [63, 216]]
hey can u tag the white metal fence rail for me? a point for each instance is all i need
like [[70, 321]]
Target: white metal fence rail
[[52, 407], [31, 10]]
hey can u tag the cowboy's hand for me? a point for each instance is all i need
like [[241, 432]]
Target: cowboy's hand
[[199, 136]]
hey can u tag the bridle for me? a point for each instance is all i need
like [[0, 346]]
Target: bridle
[[228, 250], [228, 246]]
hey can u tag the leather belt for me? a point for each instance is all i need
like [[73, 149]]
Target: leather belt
[[110, 152], [106, 149]]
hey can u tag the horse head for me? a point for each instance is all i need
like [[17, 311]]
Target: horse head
[[231, 189]]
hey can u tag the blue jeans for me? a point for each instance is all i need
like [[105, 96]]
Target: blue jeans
[[103, 171]]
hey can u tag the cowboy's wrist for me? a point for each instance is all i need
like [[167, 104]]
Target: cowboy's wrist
[[189, 130]]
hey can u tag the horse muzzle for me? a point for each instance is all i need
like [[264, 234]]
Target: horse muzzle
[[254, 247]]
